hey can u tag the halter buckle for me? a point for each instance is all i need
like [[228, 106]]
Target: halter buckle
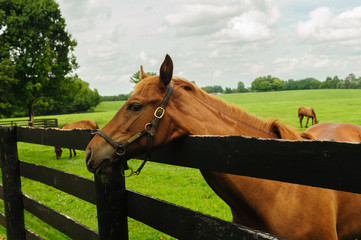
[[161, 114]]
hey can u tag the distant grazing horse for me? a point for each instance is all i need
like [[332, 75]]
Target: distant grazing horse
[[336, 131], [309, 113], [179, 108], [84, 124]]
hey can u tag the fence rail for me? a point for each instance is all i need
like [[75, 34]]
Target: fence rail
[[315, 163], [45, 123]]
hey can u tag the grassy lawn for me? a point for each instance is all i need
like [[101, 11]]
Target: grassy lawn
[[178, 185]]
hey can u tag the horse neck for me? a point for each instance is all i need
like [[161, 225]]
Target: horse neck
[[207, 115]]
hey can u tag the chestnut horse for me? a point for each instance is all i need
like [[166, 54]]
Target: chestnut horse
[[336, 131], [284, 209], [84, 124], [309, 113]]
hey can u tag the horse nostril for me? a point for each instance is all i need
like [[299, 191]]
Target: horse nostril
[[88, 155]]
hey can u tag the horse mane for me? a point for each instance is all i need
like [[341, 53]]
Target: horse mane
[[273, 127]]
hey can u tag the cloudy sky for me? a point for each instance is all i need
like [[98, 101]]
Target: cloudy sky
[[213, 42]]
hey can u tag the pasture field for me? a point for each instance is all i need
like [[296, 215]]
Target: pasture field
[[183, 186]]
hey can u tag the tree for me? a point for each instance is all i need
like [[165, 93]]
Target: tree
[[352, 82], [80, 99], [241, 88], [135, 77], [266, 84], [7, 83], [228, 90], [213, 89], [331, 83], [34, 39], [277, 84]]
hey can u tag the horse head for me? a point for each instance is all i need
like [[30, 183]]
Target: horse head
[[123, 137], [58, 152]]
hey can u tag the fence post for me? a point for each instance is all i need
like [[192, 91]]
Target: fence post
[[13, 199], [111, 206]]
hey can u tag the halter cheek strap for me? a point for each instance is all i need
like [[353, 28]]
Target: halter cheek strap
[[149, 129]]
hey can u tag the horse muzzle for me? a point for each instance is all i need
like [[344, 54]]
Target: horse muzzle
[[104, 163]]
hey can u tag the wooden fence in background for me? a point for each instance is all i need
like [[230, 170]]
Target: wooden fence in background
[[45, 123], [316, 163]]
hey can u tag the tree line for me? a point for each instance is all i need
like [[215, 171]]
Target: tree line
[[266, 83], [269, 83]]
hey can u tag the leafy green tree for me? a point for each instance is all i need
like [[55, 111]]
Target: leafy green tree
[[34, 39], [80, 99], [213, 89], [241, 88], [119, 97], [266, 84], [228, 90], [331, 83], [7, 86], [277, 84], [255, 84], [135, 78], [290, 84], [352, 82]]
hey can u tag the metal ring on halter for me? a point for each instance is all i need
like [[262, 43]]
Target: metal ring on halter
[[130, 174], [148, 126], [122, 150]]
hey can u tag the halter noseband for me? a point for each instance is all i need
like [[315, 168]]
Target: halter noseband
[[149, 129]]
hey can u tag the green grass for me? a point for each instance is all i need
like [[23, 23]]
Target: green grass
[[178, 185]]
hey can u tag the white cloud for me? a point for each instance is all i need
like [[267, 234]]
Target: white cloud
[[145, 60], [191, 14], [323, 25], [212, 41], [252, 25], [217, 73], [83, 15]]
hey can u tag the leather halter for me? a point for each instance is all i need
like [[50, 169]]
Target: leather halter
[[149, 129]]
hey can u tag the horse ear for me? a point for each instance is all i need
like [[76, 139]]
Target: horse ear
[[142, 74], [166, 71]]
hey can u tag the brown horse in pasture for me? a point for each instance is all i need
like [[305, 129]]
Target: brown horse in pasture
[[309, 113], [347, 132], [84, 124], [284, 209]]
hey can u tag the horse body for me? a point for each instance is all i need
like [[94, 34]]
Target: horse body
[[309, 113], [287, 210], [336, 131], [83, 124]]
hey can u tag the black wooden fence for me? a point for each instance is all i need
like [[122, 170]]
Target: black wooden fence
[[316, 163]]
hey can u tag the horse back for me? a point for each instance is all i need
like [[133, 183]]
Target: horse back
[[336, 131], [84, 124]]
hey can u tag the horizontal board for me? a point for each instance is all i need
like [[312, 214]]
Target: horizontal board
[[32, 236], [59, 221], [314, 163], [327, 164], [75, 185], [76, 138], [184, 223]]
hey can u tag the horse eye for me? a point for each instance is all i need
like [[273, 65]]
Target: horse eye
[[135, 106]]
